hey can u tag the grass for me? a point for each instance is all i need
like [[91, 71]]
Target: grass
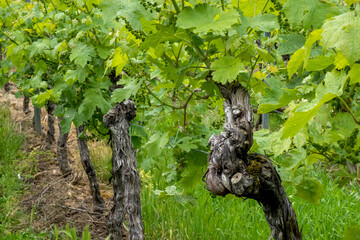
[[11, 186], [232, 218], [100, 155]]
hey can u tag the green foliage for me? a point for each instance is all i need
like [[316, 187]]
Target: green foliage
[[352, 232], [266, 23], [205, 216], [71, 234], [12, 171], [88, 55], [205, 17], [343, 32], [226, 69], [309, 13], [310, 190]]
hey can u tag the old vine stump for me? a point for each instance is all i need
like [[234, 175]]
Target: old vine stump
[[233, 170], [98, 201], [125, 176]]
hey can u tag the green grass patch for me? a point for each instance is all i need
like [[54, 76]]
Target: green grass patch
[[11, 185], [233, 218]]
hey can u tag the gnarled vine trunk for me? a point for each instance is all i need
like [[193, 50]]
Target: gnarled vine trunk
[[26, 108], [98, 201], [232, 170], [50, 134], [62, 151], [7, 87], [126, 178]]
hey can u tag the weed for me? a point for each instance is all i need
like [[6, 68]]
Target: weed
[[70, 233], [11, 184], [100, 154]]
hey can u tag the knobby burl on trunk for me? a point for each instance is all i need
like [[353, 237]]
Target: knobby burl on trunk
[[233, 170]]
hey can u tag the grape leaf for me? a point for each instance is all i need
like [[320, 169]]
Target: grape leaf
[[206, 17], [275, 96], [131, 86], [279, 145], [155, 144], [319, 63], [331, 87], [109, 8], [295, 61], [266, 23], [309, 13], [314, 37], [355, 73], [41, 99], [343, 33], [164, 34], [340, 61], [133, 11], [71, 76], [93, 98], [251, 8], [226, 69], [67, 119], [290, 43], [186, 144], [82, 53], [119, 61], [37, 47], [310, 190]]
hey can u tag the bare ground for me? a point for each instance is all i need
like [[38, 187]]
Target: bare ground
[[51, 199]]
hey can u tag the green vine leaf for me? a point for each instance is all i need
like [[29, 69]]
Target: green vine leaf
[[309, 13], [155, 144], [355, 74], [82, 53], [310, 190], [266, 23], [226, 69], [295, 62], [131, 87], [343, 33], [93, 98], [331, 87], [275, 96], [206, 17]]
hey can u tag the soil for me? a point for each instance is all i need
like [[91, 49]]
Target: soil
[[51, 199]]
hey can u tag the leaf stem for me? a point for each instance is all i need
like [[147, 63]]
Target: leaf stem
[[177, 9], [6, 35], [253, 67], [349, 110], [185, 107], [163, 103], [196, 48], [178, 56], [222, 5], [262, 10], [7, 3]]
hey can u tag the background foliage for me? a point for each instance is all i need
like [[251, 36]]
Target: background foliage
[[169, 55]]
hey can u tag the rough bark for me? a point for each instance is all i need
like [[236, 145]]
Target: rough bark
[[37, 120], [26, 108], [7, 87], [232, 170], [62, 151], [126, 178], [50, 134], [98, 201]]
